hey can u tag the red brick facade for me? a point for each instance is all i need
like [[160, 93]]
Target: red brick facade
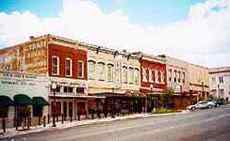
[[150, 65], [64, 52]]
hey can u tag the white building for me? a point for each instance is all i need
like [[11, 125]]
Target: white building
[[220, 82]]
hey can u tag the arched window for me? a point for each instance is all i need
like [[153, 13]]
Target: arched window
[[137, 76], [101, 71], [131, 75], [125, 74], [110, 72], [91, 69]]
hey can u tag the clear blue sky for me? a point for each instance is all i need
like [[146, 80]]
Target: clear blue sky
[[140, 12]]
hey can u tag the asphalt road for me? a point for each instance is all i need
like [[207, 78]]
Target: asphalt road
[[204, 125]]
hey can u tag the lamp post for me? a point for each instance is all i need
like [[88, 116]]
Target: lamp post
[[54, 86]]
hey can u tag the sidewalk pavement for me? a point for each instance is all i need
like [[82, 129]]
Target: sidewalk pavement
[[11, 132]]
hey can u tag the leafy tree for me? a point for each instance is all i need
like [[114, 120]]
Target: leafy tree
[[166, 97]]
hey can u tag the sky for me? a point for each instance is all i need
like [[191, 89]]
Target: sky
[[197, 31]]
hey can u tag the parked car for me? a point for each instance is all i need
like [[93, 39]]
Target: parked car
[[201, 105], [218, 102]]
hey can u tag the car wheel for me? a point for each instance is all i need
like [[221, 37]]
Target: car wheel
[[210, 106], [193, 109]]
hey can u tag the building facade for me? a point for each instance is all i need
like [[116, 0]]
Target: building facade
[[219, 81], [115, 75], [199, 81], [153, 79], [63, 62], [24, 89]]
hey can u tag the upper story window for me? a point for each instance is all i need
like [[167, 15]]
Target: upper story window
[[101, 71], [80, 69], [221, 79], [110, 72], [55, 65], [159, 77], [179, 74], [91, 69], [137, 76], [175, 76], [162, 77], [214, 79], [170, 74], [68, 67], [125, 74], [150, 76], [153, 76], [183, 77], [131, 75], [144, 74]]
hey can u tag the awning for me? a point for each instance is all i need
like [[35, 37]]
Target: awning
[[5, 101], [39, 101], [22, 100]]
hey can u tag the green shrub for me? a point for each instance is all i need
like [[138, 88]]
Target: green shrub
[[162, 110]]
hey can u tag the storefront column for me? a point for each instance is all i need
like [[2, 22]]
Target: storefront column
[[86, 109]]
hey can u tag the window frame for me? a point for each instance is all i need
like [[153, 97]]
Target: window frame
[[78, 70], [58, 65], [70, 67]]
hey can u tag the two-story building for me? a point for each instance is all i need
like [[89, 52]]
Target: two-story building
[[219, 80], [115, 75], [198, 81], [63, 61]]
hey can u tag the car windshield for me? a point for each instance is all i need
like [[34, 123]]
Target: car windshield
[[202, 102]]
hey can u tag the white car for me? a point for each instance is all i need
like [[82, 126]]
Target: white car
[[201, 105]]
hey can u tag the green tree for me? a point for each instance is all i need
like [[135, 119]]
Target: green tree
[[166, 98]]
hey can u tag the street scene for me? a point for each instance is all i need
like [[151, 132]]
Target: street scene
[[208, 125], [119, 70]]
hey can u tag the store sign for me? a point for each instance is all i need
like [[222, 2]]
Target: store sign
[[21, 83]]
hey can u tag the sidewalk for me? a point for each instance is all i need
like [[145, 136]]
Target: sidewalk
[[67, 124]]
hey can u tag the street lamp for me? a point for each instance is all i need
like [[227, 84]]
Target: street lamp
[[53, 87]]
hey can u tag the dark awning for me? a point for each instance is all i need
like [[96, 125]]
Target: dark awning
[[39, 101], [5, 101], [22, 100]]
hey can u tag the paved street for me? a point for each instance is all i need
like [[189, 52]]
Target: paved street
[[210, 125]]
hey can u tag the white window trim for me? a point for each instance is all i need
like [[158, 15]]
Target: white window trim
[[83, 71], [144, 75], [150, 76], [58, 65], [112, 68], [137, 76], [70, 67], [99, 76], [93, 73]]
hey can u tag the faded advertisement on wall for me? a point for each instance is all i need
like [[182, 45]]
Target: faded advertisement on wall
[[29, 57], [21, 83]]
